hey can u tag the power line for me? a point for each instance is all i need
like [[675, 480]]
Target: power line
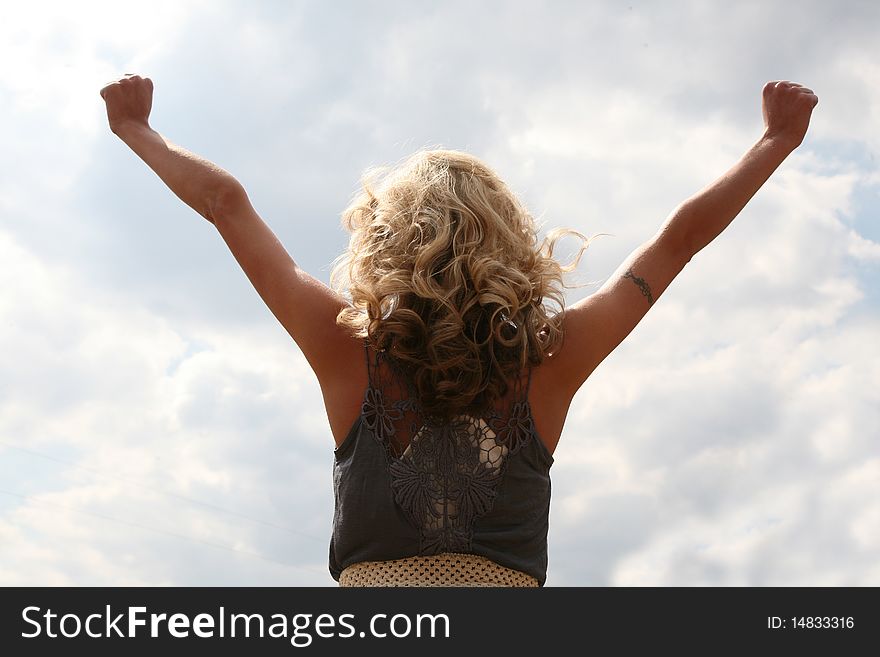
[[131, 481], [30, 498]]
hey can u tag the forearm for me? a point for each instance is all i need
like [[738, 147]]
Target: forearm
[[703, 216], [196, 181]]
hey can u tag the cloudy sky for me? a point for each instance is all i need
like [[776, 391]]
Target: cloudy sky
[[159, 427]]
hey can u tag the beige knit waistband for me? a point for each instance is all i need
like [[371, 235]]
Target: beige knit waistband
[[445, 569]]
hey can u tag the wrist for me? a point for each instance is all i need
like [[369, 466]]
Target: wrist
[[128, 128], [778, 142]]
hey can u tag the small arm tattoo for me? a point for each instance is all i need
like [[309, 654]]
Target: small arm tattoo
[[643, 286]]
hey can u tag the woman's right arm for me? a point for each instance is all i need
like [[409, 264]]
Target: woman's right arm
[[701, 218], [596, 325]]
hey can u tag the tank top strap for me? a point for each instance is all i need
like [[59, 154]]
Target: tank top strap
[[379, 370], [388, 408], [370, 366]]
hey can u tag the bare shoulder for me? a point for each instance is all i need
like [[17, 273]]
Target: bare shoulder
[[549, 400], [344, 391]]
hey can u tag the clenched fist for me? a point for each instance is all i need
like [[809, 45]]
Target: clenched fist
[[787, 107], [129, 100]]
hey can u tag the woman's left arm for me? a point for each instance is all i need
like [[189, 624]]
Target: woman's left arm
[[304, 306], [196, 181]]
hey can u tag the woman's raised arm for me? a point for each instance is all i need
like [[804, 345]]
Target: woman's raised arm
[[304, 305], [595, 326], [786, 107]]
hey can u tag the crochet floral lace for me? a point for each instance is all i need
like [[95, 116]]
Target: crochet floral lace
[[444, 476]]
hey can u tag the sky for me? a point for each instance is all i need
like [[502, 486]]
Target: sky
[[158, 426]]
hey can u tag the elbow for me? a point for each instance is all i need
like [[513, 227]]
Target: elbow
[[686, 252], [679, 233], [225, 201], [678, 242]]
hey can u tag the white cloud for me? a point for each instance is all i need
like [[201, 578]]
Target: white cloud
[[729, 440], [175, 443], [52, 53]]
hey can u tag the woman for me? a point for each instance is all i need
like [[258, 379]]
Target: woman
[[445, 379]]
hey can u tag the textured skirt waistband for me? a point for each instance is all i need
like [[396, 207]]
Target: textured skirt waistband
[[445, 569]]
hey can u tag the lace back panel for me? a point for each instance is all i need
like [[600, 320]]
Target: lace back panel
[[444, 476]]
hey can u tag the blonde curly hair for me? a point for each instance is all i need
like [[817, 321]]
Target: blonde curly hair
[[445, 276]]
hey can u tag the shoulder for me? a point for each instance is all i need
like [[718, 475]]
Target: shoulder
[[344, 391], [549, 402]]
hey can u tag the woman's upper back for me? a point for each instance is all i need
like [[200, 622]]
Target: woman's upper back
[[549, 403]]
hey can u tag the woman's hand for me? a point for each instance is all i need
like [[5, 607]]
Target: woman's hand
[[787, 107], [129, 100]]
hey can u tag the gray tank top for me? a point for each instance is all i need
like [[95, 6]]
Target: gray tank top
[[405, 486]]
